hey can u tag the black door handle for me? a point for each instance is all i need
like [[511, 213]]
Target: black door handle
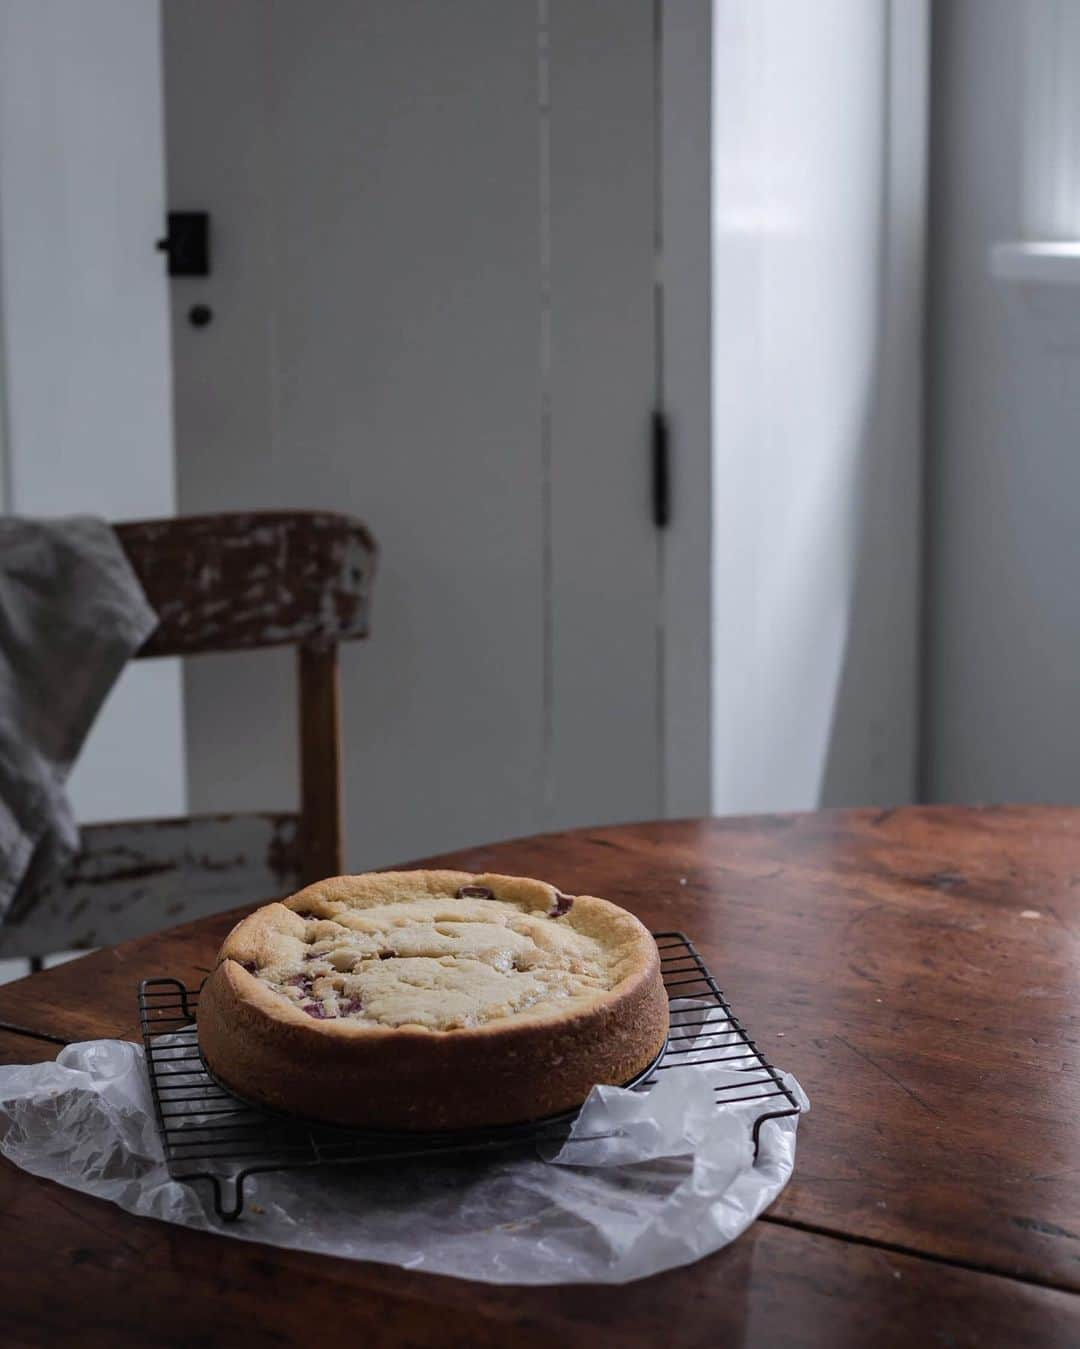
[[187, 243]]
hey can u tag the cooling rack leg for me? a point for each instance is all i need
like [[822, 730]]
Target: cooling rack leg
[[232, 1210], [228, 1195], [761, 1119], [228, 1212]]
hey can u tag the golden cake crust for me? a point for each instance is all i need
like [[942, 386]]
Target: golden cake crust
[[432, 1000]]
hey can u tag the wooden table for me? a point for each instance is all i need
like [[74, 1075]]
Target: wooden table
[[917, 969]]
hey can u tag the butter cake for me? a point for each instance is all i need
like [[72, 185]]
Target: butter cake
[[432, 1000]]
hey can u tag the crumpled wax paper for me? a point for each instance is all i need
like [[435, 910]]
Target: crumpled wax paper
[[647, 1180]]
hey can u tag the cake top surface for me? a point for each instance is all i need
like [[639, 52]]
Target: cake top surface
[[437, 950]]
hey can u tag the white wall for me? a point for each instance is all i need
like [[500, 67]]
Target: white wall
[[85, 341], [818, 198], [1003, 636]]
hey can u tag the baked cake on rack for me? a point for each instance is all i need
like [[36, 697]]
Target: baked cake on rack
[[432, 1000]]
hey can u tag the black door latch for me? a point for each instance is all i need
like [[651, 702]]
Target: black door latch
[[187, 243]]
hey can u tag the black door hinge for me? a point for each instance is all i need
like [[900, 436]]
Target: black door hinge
[[661, 471]]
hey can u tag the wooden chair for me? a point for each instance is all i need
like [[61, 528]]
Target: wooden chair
[[223, 583]]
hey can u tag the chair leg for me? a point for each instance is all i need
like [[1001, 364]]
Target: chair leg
[[320, 764], [37, 964]]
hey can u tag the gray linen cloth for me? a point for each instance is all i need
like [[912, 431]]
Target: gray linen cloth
[[72, 613]]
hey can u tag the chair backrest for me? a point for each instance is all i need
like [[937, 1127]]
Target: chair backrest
[[223, 583], [265, 578]]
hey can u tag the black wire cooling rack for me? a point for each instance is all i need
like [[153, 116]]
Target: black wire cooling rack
[[209, 1135]]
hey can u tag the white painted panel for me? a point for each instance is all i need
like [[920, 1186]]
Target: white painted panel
[[873, 751], [220, 130], [85, 336], [813, 614], [1003, 693], [605, 763], [685, 251], [397, 214]]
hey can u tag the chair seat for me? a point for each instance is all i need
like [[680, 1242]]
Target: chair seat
[[136, 876]]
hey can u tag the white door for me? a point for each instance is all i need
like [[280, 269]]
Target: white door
[[84, 356], [434, 305]]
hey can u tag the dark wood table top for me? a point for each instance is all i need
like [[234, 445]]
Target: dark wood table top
[[916, 969]]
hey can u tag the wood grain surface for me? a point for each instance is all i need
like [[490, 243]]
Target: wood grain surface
[[915, 969], [76, 1268], [252, 579]]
